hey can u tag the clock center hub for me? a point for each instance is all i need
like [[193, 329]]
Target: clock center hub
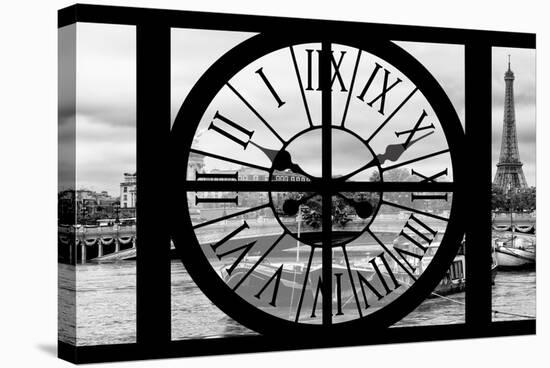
[[301, 161]]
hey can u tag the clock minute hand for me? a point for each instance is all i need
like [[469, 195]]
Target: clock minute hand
[[392, 153]]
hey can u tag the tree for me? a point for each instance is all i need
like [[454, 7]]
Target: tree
[[523, 200], [397, 175]]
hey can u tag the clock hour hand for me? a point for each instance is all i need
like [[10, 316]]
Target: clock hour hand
[[281, 160]]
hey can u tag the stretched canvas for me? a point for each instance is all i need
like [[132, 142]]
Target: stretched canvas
[[235, 183]]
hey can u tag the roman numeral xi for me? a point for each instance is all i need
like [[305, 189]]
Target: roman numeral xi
[[235, 127]]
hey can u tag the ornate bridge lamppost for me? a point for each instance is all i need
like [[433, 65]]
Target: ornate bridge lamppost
[[83, 212], [117, 213]]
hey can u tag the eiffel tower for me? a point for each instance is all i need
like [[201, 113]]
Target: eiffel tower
[[509, 174]]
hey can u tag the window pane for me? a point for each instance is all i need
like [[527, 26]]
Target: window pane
[[514, 192]]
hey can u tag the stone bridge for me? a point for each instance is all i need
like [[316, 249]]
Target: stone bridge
[[83, 244]]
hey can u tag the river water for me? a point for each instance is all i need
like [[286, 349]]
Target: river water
[[106, 303]]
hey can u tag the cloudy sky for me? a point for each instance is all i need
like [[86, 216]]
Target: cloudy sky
[[524, 68], [106, 98], [444, 61], [105, 105]]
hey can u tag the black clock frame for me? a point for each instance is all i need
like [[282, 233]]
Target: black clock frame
[[153, 315], [191, 253]]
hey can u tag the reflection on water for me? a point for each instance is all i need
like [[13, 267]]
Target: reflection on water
[[514, 295], [66, 311], [106, 305], [193, 315], [437, 311]]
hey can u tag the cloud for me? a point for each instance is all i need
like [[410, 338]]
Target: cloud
[[105, 106], [106, 90], [446, 63]]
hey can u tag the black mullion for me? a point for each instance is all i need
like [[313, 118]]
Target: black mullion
[[317, 186], [479, 230], [326, 119], [153, 320]]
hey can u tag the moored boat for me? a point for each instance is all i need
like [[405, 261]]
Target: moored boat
[[252, 276], [515, 251], [514, 245], [494, 266], [514, 257]]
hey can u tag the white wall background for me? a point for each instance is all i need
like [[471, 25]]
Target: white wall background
[[28, 162]]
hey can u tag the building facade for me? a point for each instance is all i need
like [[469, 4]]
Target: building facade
[[128, 191]]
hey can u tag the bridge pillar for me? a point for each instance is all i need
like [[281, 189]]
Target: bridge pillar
[[117, 245], [134, 242], [83, 259], [99, 247]]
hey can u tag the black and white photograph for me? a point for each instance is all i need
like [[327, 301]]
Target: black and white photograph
[[234, 183], [514, 190], [275, 245], [97, 201]]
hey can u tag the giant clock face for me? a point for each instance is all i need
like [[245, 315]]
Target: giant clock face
[[322, 189]]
